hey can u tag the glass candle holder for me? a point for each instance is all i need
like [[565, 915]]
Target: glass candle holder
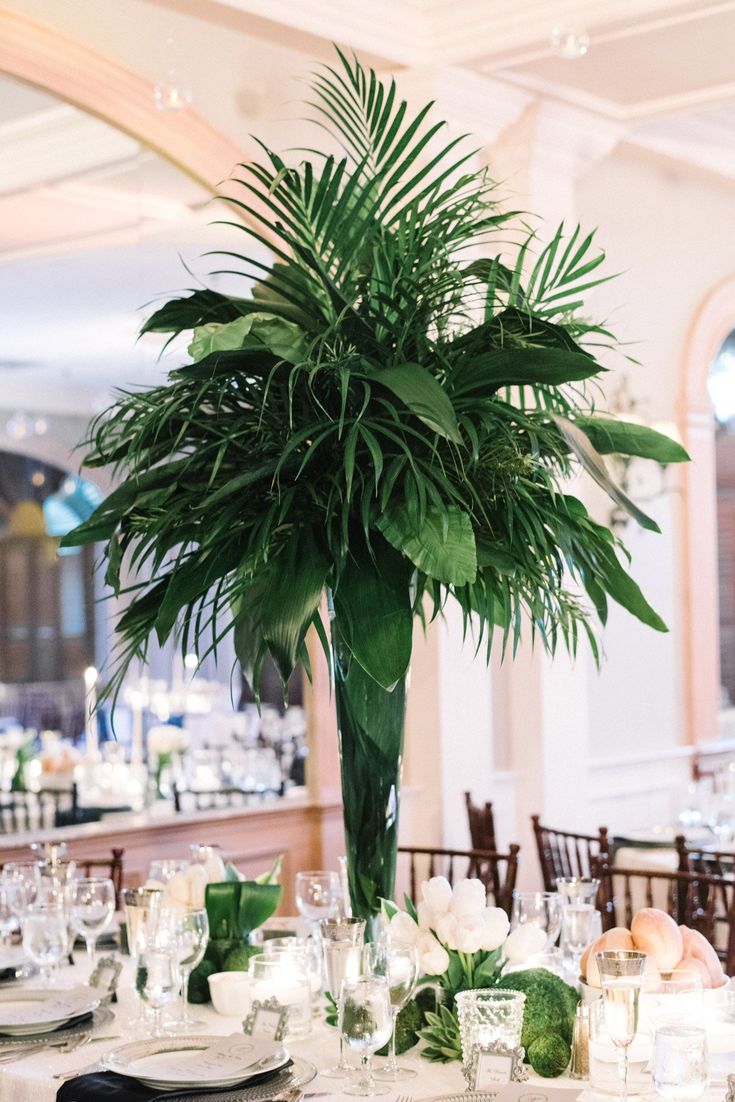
[[486, 1016], [283, 979]]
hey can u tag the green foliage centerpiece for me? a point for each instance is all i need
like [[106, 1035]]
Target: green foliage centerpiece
[[390, 416]]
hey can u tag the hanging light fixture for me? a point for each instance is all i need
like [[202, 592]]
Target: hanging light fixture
[[569, 43]]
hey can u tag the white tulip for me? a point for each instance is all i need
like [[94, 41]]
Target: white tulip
[[496, 926], [177, 889], [403, 930], [197, 878], [471, 934], [524, 942], [215, 867], [425, 915], [433, 957], [469, 898], [445, 929], [437, 894]]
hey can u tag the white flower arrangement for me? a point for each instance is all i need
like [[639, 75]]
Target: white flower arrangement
[[166, 739]]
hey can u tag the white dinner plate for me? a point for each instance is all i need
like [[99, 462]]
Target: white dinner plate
[[34, 1011], [141, 1060]]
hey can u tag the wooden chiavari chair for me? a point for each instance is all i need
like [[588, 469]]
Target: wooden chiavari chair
[[425, 862], [699, 900], [111, 866], [564, 853], [482, 831]]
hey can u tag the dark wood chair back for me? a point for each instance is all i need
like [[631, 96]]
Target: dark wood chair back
[[699, 900], [485, 865], [563, 853], [708, 765], [111, 866], [482, 823]]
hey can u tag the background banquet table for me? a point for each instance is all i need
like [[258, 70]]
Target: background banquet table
[[32, 1078]]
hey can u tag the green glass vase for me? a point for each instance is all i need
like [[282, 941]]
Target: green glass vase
[[371, 722]]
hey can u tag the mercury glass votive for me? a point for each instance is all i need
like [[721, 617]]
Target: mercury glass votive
[[489, 1015]]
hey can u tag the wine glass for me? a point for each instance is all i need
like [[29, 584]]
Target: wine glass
[[679, 1062], [577, 889], [578, 931], [155, 980], [92, 907], [164, 869], [8, 917], [342, 945], [318, 895], [365, 1023], [22, 880], [542, 909], [188, 931], [621, 974], [45, 939], [401, 968]]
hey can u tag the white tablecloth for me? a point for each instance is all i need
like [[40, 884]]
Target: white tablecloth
[[31, 1079]]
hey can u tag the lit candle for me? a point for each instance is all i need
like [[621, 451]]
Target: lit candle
[[90, 710]]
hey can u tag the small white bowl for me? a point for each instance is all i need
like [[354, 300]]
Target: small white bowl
[[230, 993]]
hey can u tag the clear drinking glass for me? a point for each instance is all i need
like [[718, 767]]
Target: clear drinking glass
[[283, 977], [621, 974], [401, 969], [163, 870], [679, 1063], [92, 907], [577, 931], [577, 889], [22, 880], [188, 937], [306, 951], [677, 995], [365, 1023], [45, 939], [8, 917], [542, 909], [142, 907], [342, 945], [155, 981], [318, 895]]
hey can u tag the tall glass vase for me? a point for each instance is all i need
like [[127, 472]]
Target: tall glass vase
[[371, 723]]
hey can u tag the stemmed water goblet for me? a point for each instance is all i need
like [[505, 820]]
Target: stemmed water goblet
[[318, 895], [365, 1023], [155, 979], [401, 969], [45, 938], [542, 909], [577, 889], [22, 881], [342, 945], [578, 930], [621, 975], [188, 934], [92, 907]]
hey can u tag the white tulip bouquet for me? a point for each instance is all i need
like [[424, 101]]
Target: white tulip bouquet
[[461, 944]]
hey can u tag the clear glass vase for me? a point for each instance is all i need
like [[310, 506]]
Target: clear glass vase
[[371, 722]]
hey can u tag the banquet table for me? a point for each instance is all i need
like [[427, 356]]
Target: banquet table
[[32, 1078]]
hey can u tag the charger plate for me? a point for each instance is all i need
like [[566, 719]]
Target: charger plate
[[299, 1074]]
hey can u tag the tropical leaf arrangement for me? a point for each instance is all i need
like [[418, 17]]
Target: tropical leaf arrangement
[[392, 414]]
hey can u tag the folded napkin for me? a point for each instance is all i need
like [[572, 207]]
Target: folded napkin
[[120, 1088]]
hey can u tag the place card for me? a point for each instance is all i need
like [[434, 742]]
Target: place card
[[494, 1064], [267, 1018], [227, 1057]]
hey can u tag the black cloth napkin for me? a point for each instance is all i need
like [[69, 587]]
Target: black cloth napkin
[[111, 1087]]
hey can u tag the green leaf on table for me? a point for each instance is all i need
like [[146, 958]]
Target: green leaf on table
[[424, 396], [580, 444], [441, 543], [626, 438]]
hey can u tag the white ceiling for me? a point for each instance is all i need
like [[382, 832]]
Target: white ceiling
[[92, 227]]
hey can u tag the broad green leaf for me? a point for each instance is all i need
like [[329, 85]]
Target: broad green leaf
[[627, 438], [625, 591], [293, 587], [199, 308], [488, 371], [497, 557], [258, 902], [373, 607], [284, 339], [192, 579], [440, 544], [423, 395], [594, 464]]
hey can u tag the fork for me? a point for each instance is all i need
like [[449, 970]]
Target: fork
[[69, 1045]]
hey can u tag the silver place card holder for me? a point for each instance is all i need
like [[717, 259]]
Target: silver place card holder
[[494, 1064], [267, 1018]]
